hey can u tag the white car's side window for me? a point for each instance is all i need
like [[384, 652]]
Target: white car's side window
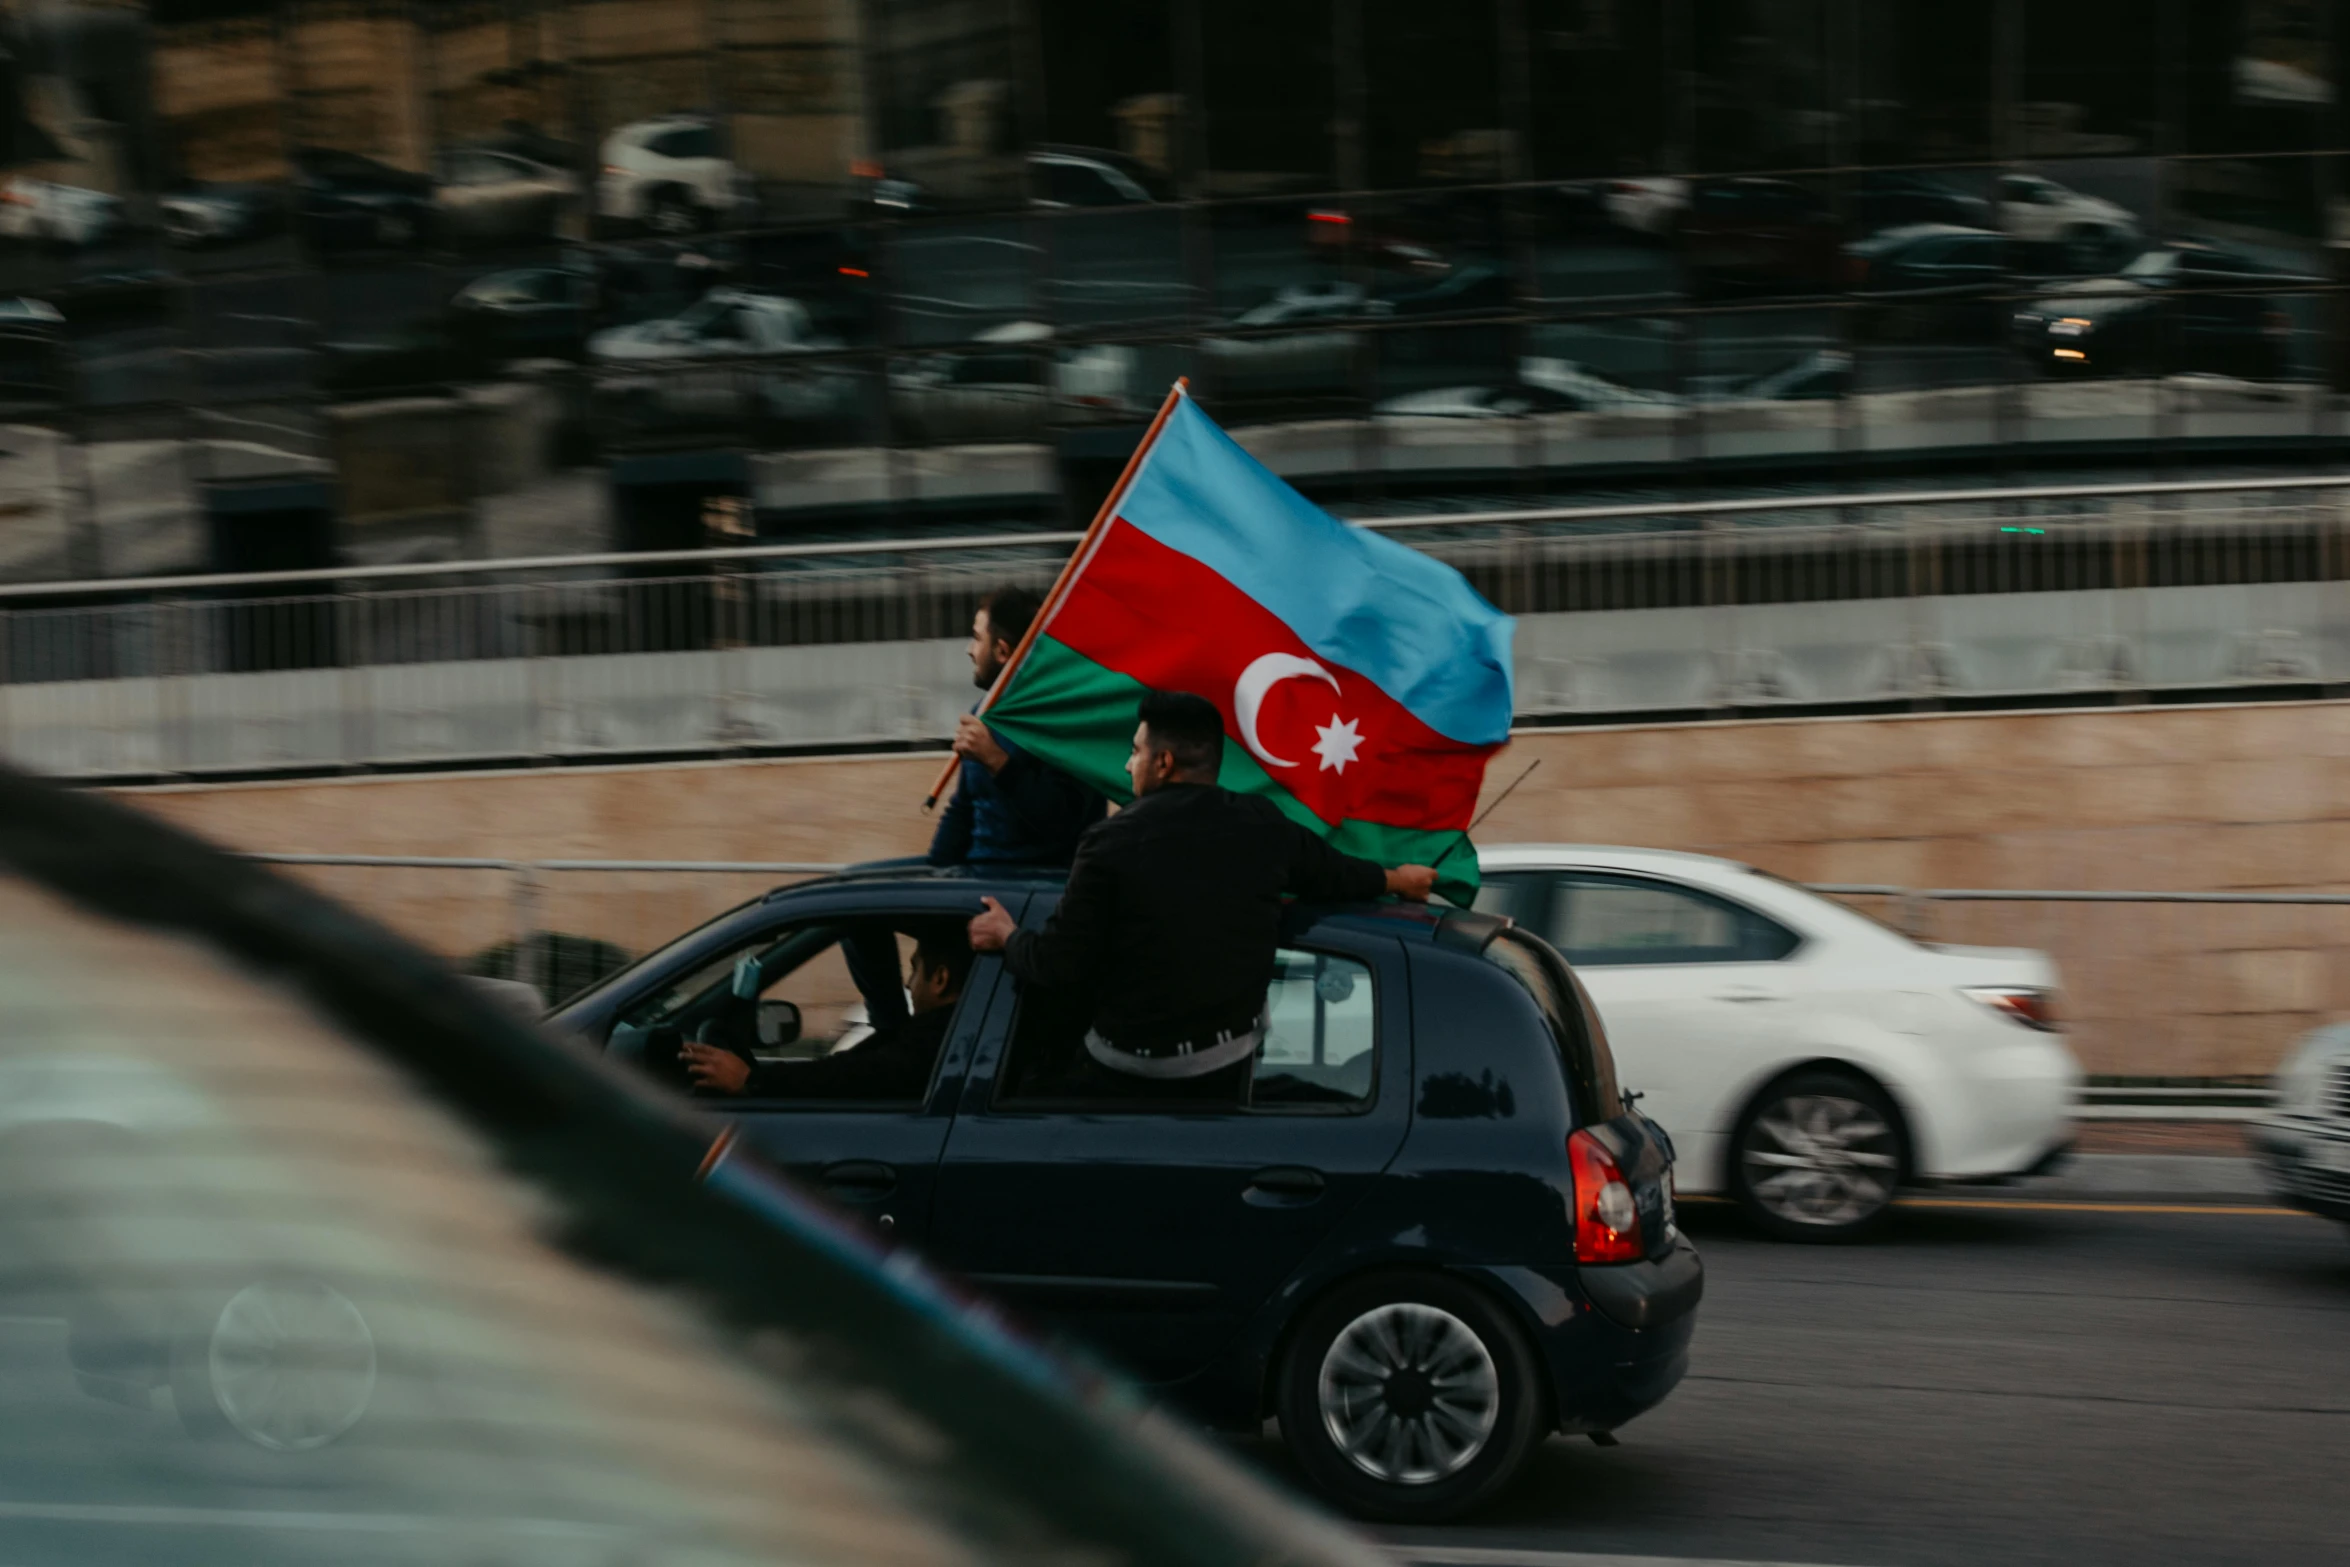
[[1601, 920]]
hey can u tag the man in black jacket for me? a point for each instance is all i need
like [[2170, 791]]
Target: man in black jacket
[[1173, 910], [1009, 808]]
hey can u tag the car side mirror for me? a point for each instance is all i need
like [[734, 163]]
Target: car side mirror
[[779, 1023]]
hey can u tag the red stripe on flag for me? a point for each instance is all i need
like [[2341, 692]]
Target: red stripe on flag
[[1161, 617]]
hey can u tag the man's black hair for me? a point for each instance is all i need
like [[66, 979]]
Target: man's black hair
[[947, 949], [1010, 610], [1186, 727]]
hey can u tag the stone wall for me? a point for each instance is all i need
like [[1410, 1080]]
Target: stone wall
[[2238, 798]]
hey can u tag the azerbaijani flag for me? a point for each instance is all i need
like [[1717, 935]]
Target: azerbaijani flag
[[1363, 684]]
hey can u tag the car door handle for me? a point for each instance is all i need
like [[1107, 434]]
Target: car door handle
[[863, 1179], [1283, 1186], [1746, 995]]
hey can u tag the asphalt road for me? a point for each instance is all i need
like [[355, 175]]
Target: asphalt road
[[1990, 1385]]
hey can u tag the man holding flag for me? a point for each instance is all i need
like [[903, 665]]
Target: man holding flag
[[1364, 683], [1174, 906]]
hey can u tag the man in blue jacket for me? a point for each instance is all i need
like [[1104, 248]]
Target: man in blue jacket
[[1009, 808]]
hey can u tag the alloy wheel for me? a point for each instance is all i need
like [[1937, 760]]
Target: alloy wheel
[[1821, 1159], [291, 1364], [1409, 1393]]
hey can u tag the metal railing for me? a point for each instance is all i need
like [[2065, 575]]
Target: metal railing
[[2178, 1003], [1640, 608]]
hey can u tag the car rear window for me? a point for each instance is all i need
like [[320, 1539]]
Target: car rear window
[[1574, 1022]]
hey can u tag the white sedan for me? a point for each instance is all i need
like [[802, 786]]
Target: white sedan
[[1806, 1060]]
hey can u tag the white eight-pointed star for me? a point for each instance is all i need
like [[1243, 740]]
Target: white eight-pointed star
[[1339, 742]]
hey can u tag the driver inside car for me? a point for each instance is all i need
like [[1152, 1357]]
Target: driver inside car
[[894, 1062]]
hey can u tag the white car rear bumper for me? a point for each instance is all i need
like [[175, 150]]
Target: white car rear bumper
[[2004, 1108]]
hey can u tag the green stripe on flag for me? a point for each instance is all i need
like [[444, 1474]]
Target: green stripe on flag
[[1079, 716]]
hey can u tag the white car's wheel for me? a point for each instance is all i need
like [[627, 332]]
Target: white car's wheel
[[1819, 1156], [285, 1364]]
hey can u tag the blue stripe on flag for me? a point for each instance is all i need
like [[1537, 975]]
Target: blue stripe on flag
[[1408, 623]]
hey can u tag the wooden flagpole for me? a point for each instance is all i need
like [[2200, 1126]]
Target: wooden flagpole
[[1068, 576]]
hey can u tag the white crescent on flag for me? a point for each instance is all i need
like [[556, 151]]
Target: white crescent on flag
[[1249, 691]]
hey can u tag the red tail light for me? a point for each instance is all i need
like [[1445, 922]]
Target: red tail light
[[2019, 1004], [1607, 1218], [1329, 217]]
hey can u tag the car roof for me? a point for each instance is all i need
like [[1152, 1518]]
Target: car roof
[[1610, 856]]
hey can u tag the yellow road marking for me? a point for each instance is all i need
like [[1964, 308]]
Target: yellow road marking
[[2026, 1204], [2103, 1207]]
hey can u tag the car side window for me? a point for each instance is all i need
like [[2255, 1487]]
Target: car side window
[[691, 142], [855, 1009], [1598, 921], [1321, 1033], [1319, 1053]]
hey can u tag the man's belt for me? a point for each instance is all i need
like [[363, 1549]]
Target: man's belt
[[1192, 1057]]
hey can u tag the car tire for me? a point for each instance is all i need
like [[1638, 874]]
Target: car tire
[[1819, 1156], [1410, 1397], [674, 213], [285, 1364]]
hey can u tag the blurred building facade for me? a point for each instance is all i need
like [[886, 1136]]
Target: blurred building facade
[[329, 280]]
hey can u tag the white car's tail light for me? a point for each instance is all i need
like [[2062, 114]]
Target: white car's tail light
[[2025, 1004]]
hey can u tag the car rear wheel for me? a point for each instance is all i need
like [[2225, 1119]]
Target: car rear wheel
[[285, 1364], [1818, 1156], [673, 212], [1410, 1397]]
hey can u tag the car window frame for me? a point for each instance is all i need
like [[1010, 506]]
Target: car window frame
[[985, 1078], [1537, 917], [763, 919]]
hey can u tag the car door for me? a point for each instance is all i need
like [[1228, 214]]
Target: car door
[[878, 1160], [1691, 985], [1156, 1230]]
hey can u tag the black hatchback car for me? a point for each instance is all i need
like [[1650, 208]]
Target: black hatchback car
[[1431, 1233]]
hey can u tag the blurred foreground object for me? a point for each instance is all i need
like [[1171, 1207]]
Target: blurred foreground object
[[315, 1251]]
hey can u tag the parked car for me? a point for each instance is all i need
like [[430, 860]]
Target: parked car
[[1650, 207], [1804, 1059], [523, 313], [2082, 232], [45, 212], [345, 201], [1488, 402], [204, 213], [1057, 176], [483, 196], [1434, 1233], [686, 369], [672, 175], [422, 1283], [2181, 306], [1088, 177], [1934, 281], [2303, 1142], [1903, 198], [724, 323], [1822, 373]]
